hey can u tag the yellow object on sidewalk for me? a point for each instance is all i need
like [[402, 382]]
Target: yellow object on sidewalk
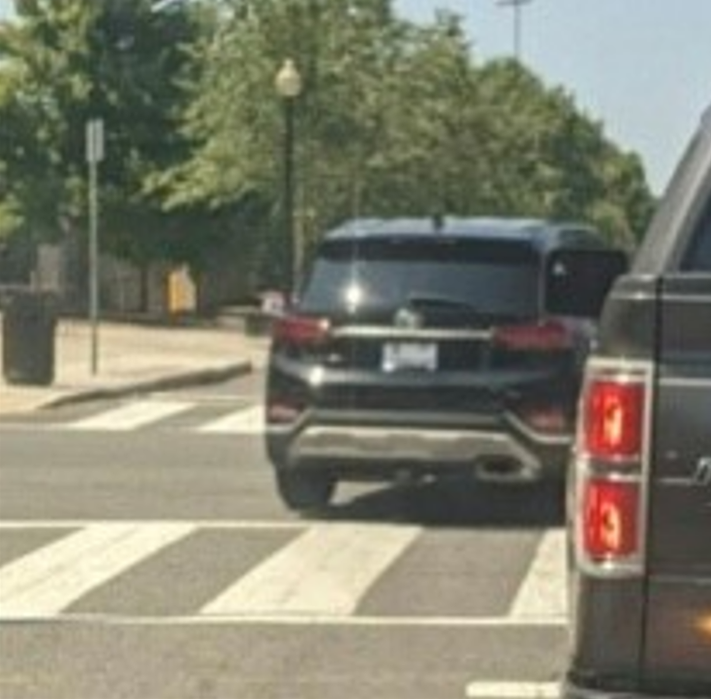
[[182, 296]]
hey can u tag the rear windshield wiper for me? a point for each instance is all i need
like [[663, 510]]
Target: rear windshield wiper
[[423, 300]]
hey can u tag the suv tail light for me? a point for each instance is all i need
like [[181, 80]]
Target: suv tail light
[[298, 335], [546, 419], [548, 336], [301, 330], [609, 496]]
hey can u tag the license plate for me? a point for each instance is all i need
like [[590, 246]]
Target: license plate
[[398, 356]]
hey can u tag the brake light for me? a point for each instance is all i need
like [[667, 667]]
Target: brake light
[[301, 330], [548, 336], [613, 419], [551, 420], [611, 461], [610, 519]]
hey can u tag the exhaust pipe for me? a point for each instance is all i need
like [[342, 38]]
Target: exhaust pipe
[[505, 470]]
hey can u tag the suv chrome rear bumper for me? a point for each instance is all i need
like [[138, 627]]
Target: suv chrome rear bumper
[[493, 456]]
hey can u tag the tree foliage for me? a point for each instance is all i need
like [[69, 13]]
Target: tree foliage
[[394, 119], [65, 62]]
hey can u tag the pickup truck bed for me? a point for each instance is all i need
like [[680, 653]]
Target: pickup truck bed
[[640, 481]]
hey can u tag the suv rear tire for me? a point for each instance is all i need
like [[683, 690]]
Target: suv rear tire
[[305, 491]]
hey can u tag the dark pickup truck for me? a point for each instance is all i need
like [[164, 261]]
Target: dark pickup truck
[[639, 497]]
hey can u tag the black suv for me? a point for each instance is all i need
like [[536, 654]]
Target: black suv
[[640, 487], [421, 347]]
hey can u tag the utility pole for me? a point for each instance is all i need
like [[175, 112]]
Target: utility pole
[[94, 155], [516, 6]]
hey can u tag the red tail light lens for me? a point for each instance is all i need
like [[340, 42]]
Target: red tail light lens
[[301, 330], [610, 519], [546, 419], [611, 497], [613, 419], [550, 336]]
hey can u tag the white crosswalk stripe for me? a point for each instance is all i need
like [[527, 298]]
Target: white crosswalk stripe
[[513, 690], [132, 416], [322, 574], [542, 593], [48, 580], [142, 413], [325, 571], [244, 421]]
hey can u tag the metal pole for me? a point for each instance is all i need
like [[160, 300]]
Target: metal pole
[[289, 245], [94, 265], [517, 31], [94, 155], [517, 7]]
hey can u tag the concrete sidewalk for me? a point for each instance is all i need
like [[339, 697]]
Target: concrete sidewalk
[[135, 358]]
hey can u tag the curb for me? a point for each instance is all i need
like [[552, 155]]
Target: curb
[[164, 383]]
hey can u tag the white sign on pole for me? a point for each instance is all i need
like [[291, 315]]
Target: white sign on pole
[[95, 140]]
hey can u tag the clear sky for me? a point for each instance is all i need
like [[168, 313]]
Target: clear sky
[[642, 67]]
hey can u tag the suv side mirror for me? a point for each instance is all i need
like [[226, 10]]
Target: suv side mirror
[[578, 281]]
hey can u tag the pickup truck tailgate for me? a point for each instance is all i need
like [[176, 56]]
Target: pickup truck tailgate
[[678, 621]]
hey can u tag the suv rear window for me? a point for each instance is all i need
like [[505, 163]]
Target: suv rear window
[[498, 278]]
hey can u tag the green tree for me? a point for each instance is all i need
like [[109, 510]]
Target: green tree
[[547, 158], [236, 121], [382, 102], [67, 61], [394, 119]]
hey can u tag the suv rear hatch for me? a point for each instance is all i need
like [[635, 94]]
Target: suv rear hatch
[[410, 313]]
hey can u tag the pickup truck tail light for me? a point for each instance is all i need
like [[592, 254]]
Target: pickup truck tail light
[[613, 424], [610, 464], [610, 513]]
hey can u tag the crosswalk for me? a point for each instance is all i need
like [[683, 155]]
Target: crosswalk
[[243, 421], [317, 573], [45, 582], [325, 571], [221, 418], [130, 417]]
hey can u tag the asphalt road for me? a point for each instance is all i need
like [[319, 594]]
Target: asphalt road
[[143, 553]]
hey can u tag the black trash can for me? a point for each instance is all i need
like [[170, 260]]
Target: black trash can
[[29, 325]]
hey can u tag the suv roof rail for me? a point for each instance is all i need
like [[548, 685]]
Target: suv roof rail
[[540, 232]]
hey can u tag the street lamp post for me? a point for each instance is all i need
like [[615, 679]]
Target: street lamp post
[[516, 6], [288, 86]]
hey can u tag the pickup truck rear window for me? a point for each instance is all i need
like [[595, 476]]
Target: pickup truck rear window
[[699, 257]]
